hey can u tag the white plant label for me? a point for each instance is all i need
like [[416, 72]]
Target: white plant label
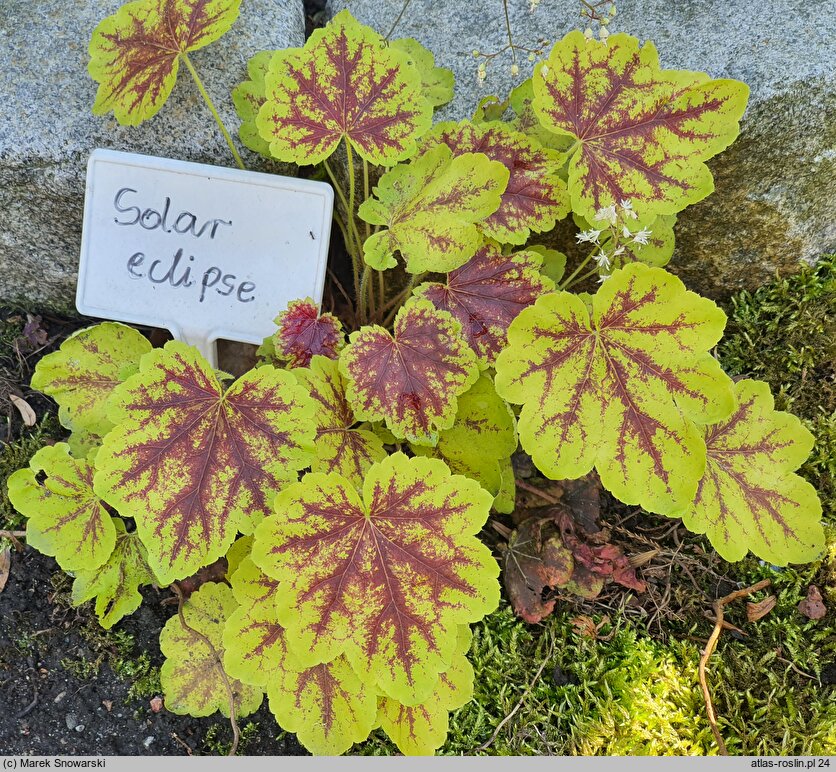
[[203, 251]]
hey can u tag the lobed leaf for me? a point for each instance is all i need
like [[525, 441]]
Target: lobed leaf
[[67, 520], [436, 82], [419, 730], [521, 101], [194, 464], [345, 83], [248, 97], [304, 333], [619, 386], [431, 208], [749, 498], [135, 53], [486, 294], [115, 584], [410, 379], [339, 446], [326, 705], [481, 441], [535, 196], [383, 577], [83, 373], [640, 132], [192, 676]]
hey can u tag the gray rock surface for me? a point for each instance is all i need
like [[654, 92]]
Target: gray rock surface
[[775, 187], [47, 130]]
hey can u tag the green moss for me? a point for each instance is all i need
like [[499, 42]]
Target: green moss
[[218, 739]]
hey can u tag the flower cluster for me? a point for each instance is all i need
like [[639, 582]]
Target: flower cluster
[[614, 237]]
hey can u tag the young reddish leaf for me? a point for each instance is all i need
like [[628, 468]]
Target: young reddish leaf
[[641, 133], [410, 379], [618, 389], [115, 585], [83, 373], [436, 82], [304, 332], [248, 98], [66, 518], [135, 53], [535, 197], [345, 82], [192, 675], [749, 499], [486, 294], [326, 706], [419, 730], [481, 440], [194, 464], [431, 209], [339, 447], [383, 577]]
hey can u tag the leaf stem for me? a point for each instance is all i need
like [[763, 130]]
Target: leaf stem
[[366, 192], [211, 106], [348, 233], [352, 223]]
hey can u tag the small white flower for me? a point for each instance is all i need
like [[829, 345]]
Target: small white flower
[[602, 260], [626, 232], [625, 204], [588, 33], [544, 70], [603, 277], [642, 236], [603, 34], [607, 214], [590, 237], [619, 251]]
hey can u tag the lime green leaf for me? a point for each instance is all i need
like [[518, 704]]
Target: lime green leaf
[[640, 133], [410, 379], [83, 373], [195, 464], [66, 518], [620, 388], [431, 208], [505, 500], [535, 196], [135, 53], [115, 585], [526, 120], [421, 729], [248, 98], [304, 332], [554, 262], [193, 677], [340, 447], [481, 440], [345, 82], [384, 576], [327, 706], [486, 294], [658, 235], [436, 82], [749, 498], [237, 553]]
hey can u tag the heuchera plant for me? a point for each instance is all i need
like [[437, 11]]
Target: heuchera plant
[[345, 482]]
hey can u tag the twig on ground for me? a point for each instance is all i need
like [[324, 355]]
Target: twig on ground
[[489, 742], [236, 733], [711, 644], [181, 743], [14, 537], [542, 494]]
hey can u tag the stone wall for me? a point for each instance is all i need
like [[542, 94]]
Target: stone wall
[[47, 130]]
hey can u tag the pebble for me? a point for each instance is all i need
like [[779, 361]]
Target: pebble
[[71, 721], [148, 741]]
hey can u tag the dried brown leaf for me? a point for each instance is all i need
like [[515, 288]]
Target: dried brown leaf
[[5, 565], [756, 611], [813, 606], [23, 407]]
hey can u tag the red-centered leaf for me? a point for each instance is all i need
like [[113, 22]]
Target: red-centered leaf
[[411, 379], [385, 576], [345, 82], [195, 464], [641, 133], [304, 332], [340, 446], [535, 198], [487, 293], [135, 53]]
